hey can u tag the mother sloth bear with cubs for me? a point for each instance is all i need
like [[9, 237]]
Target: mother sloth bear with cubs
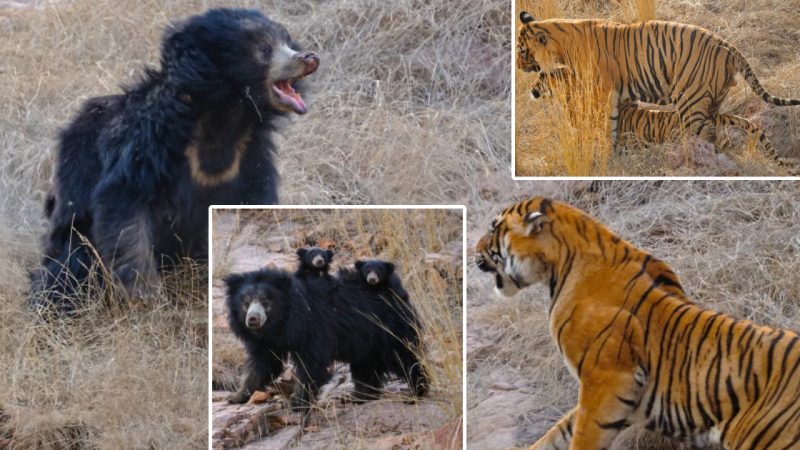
[[136, 172], [361, 316]]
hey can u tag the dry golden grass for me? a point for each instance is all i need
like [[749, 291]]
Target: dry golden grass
[[763, 30], [581, 109], [404, 237], [103, 379], [705, 230], [410, 105]]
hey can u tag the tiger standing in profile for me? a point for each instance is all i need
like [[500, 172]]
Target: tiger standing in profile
[[641, 350], [654, 62], [656, 126]]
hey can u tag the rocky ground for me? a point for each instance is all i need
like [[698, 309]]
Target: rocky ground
[[393, 422]]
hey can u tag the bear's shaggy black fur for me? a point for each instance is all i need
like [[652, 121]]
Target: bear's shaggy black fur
[[277, 317], [136, 172], [379, 275]]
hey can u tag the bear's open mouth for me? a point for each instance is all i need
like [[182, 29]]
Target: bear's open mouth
[[288, 96], [300, 65]]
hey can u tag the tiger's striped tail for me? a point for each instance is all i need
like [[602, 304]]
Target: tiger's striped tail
[[747, 72]]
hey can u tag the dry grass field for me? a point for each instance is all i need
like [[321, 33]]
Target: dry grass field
[[554, 138], [426, 246], [735, 246], [410, 105]]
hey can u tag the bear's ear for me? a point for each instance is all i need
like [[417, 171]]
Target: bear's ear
[[233, 281], [301, 252], [525, 17], [389, 268], [329, 252], [360, 265], [182, 59]]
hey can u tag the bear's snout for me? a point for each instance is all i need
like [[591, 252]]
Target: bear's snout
[[310, 60], [318, 261], [372, 278], [256, 316]]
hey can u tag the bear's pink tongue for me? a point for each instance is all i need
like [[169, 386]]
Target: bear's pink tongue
[[288, 96]]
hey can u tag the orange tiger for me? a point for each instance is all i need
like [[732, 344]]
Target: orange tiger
[[641, 350], [654, 62], [654, 126]]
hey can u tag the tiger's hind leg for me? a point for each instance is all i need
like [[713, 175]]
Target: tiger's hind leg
[[698, 113]]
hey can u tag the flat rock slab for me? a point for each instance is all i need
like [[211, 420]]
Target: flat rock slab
[[250, 257]]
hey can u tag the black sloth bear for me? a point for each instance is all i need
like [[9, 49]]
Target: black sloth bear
[[136, 172], [277, 317], [313, 262], [378, 276]]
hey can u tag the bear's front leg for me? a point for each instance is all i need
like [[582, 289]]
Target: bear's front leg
[[366, 381], [263, 367], [413, 371], [122, 231], [312, 373]]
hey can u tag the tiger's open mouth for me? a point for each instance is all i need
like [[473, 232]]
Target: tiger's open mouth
[[285, 94], [483, 265]]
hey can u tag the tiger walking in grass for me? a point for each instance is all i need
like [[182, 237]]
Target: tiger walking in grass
[[642, 351]]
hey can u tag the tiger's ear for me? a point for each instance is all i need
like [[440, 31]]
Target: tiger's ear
[[525, 17], [534, 222]]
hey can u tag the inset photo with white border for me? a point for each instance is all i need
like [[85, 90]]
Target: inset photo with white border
[[337, 326]]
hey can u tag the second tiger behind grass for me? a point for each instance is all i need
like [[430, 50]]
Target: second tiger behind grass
[[642, 351]]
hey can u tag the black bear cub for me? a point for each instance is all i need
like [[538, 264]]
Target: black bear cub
[[313, 261], [379, 275], [278, 317]]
